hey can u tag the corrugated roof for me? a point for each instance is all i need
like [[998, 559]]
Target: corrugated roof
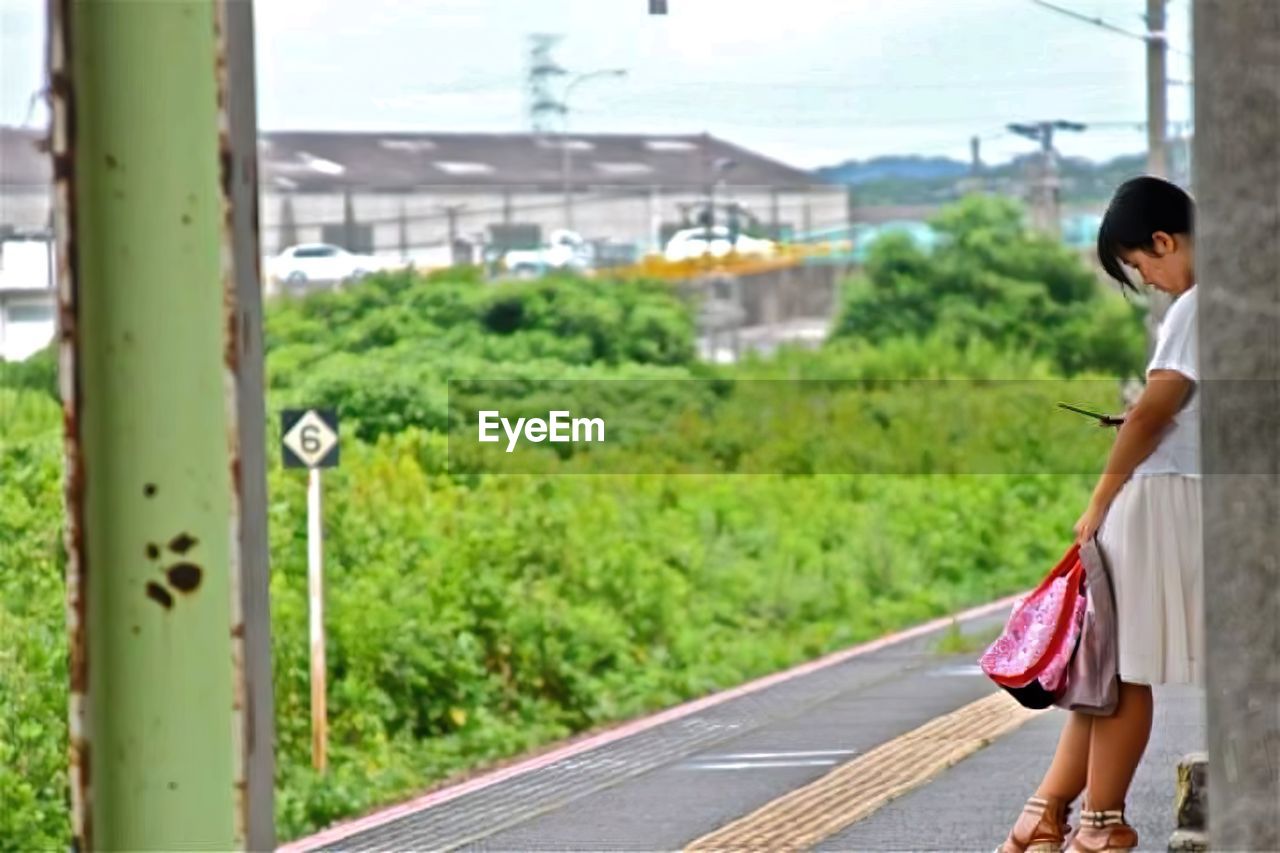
[[326, 160]]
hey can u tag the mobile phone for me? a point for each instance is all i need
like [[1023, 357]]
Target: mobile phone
[[1080, 411]]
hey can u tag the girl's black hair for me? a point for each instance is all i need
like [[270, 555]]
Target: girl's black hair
[[1140, 208]]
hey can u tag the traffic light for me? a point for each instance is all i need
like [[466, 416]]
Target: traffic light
[[657, 7]]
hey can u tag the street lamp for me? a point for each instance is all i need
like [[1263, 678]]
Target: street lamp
[[565, 152]]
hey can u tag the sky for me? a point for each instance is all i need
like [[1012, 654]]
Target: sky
[[809, 82]]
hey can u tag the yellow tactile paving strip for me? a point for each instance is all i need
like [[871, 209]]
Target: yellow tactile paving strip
[[846, 795]]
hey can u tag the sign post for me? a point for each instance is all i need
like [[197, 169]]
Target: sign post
[[315, 605], [310, 440]]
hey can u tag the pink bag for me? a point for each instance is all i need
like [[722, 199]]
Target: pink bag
[[1092, 685], [1031, 656]]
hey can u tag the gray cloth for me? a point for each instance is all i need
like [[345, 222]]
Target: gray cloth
[[1092, 677]]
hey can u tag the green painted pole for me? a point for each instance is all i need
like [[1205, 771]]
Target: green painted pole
[[160, 337]]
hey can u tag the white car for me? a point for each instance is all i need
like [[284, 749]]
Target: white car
[[319, 263], [693, 243], [565, 250]]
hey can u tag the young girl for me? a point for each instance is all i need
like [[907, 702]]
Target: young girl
[[1145, 511]]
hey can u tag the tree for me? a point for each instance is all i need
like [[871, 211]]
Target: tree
[[993, 279]]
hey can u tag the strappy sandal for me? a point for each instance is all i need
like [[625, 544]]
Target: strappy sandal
[[1041, 828], [1103, 832]]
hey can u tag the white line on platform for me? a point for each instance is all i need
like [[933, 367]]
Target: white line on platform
[[763, 765], [806, 754], [971, 669]]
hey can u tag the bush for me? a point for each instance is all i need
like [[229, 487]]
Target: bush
[[37, 373], [33, 656], [991, 280]]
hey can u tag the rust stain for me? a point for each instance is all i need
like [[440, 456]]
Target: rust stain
[[63, 147], [62, 166], [182, 543], [149, 490], [186, 219], [159, 594], [83, 746], [231, 341], [112, 162], [153, 551], [226, 163], [185, 577]]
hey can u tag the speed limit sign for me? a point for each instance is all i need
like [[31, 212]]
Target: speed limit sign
[[309, 438]]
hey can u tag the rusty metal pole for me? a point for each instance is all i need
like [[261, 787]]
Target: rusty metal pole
[[160, 335]]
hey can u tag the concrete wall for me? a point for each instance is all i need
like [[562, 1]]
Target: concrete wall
[[1237, 155], [779, 296], [790, 294]]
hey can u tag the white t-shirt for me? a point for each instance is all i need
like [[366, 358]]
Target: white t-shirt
[[1176, 349]]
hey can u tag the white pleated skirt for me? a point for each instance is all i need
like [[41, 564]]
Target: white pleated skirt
[[1151, 539]]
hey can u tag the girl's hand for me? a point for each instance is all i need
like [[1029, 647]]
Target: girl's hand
[[1115, 420], [1089, 523]]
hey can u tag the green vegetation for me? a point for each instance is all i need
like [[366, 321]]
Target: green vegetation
[[472, 616], [992, 281]]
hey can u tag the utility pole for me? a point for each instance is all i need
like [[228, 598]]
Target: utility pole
[[566, 145], [1157, 134], [1045, 189], [402, 228], [349, 223], [1157, 41], [451, 211], [1157, 90], [1237, 156], [155, 164], [288, 231], [973, 182]]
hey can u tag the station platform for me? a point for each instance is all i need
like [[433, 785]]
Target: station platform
[[891, 745]]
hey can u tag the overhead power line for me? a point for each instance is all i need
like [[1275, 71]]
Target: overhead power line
[[1104, 24]]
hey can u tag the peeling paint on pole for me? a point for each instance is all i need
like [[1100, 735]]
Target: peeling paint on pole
[[63, 148], [160, 330], [242, 290]]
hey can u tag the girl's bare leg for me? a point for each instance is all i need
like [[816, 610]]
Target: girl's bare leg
[[1068, 772], [1116, 746]]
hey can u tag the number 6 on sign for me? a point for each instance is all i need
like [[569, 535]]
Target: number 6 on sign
[[309, 438]]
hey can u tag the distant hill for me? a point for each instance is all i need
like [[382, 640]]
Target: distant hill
[[937, 180], [915, 168]]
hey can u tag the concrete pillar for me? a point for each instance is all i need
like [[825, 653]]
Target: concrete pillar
[[1237, 156]]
